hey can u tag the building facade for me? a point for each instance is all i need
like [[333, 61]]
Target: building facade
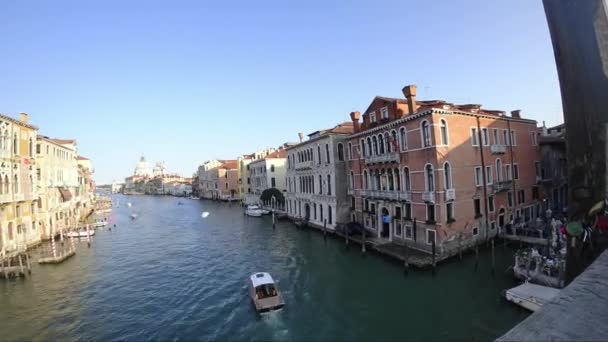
[[228, 181], [317, 178], [267, 172], [553, 169], [424, 171], [19, 225]]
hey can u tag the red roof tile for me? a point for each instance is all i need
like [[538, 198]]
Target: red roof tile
[[81, 158], [229, 164]]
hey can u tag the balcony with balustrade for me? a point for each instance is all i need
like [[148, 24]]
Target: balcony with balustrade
[[450, 195], [305, 165], [18, 197], [392, 157], [498, 149], [428, 196], [405, 195], [6, 198], [502, 186], [386, 194]]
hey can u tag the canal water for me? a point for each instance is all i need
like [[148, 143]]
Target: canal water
[[173, 275]]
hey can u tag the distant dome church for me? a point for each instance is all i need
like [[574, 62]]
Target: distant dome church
[[143, 168]]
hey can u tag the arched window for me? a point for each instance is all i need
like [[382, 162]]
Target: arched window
[[498, 170], [444, 131], [329, 185], [397, 180], [6, 184], [352, 180], [362, 152], [375, 141], [426, 133], [402, 138], [391, 181], [430, 179], [1, 188], [381, 143], [320, 185], [365, 180], [378, 181], [31, 148], [31, 189], [394, 143], [15, 143], [10, 230], [349, 151], [271, 167], [340, 152], [447, 175], [15, 184], [407, 185], [369, 147]]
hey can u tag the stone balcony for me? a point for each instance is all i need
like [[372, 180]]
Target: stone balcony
[[450, 195], [6, 198], [502, 186], [306, 165], [387, 194], [350, 192], [383, 158], [428, 196], [18, 197], [498, 149]]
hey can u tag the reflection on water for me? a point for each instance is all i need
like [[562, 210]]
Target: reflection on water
[[172, 275]]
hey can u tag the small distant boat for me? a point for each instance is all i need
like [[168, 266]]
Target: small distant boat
[[180, 203], [99, 224], [129, 204], [205, 214], [254, 210], [264, 292], [133, 216], [194, 198], [80, 233], [531, 296]]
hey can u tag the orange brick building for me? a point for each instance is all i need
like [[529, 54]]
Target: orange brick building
[[417, 171]]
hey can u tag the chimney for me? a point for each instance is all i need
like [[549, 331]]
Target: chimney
[[516, 114], [23, 117], [355, 116], [410, 94], [301, 135]]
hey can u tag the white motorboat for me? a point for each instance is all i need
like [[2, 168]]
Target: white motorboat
[[264, 292], [80, 233], [254, 210], [531, 296], [100, 224], [194, 198], [133, 216]]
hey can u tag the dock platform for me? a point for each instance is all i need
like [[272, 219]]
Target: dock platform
[[57, 259], [531, 296]]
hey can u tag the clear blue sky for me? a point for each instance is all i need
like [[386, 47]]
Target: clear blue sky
[[186, 81]]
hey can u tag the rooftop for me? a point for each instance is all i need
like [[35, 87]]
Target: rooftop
[[261, 278]]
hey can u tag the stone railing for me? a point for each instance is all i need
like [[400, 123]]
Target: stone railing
[[428, 196], [502, 186], [450, 194], [383, 158], [498, 149]]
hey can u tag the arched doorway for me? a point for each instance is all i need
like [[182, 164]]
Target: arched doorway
[[307, 211], [386, 219], [501, 220]]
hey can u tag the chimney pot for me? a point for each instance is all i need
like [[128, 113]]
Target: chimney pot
[[409, 92], [355, 116], [301, 135], [23, 117], [516, 113]]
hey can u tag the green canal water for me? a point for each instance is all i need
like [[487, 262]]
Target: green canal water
[[173, 275]]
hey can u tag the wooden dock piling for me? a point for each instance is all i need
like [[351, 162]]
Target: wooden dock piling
[[476, 256], [273, 220], [88, 236], [493, 257], [406, 263], [363, 247], [28, 263], [434, 251], [7, 268], [325, 229], [21, 270]]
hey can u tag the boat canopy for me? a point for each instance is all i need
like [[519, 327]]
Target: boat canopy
[[261, 278]]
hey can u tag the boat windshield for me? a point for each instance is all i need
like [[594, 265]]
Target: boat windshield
[[265, 291]]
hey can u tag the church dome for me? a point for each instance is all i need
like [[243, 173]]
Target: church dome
[[143, 168]]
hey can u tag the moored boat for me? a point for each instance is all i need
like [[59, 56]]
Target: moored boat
[[99, 224], [80, 233], [531, 296], [254, 210], [264, 292]]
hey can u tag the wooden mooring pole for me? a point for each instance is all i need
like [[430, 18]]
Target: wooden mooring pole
[[88, 236], [346, 238], [325, 229], [273, 220], [493, 271], [21, 270], [9, 267], [476, 256], [406, 263], [363, 247], [28, 263], [433, 260], [459, 248]]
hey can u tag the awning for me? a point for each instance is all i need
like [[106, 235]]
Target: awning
[[65, 194]]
